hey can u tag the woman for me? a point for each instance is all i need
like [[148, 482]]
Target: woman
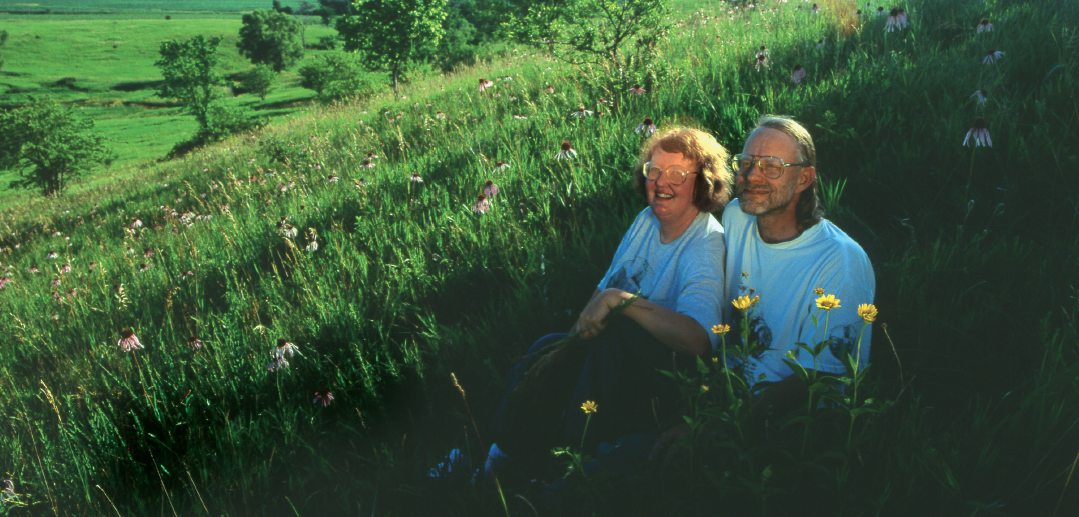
[[671, 259]]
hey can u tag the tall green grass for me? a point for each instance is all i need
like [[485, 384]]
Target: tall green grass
[[973, 248]]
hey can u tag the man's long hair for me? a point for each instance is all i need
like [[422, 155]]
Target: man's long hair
[[808, 211]]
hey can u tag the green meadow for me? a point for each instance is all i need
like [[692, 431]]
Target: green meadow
[[388, 286], [104, 63]]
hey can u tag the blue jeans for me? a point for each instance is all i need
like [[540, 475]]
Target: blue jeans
[[617, 370]]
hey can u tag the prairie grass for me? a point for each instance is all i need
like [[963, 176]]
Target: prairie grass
[[976, 279]]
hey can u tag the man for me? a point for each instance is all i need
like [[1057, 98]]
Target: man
[[779, 248]]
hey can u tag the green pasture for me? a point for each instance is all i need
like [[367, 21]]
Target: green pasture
[[136, 6], [388, 286], [106, 65]]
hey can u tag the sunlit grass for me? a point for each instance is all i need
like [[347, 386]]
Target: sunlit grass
[[974, 251]]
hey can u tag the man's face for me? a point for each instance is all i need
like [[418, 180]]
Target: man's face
[[759, 195]]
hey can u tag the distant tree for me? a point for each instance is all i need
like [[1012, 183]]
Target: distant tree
[[277, 7], [259, 80], [49, 145], [335, 75], [393, 34], [190, 74], [271, 38], [3, 40], [596, 31]]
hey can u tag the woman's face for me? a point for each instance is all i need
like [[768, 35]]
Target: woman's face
[[671, 203]]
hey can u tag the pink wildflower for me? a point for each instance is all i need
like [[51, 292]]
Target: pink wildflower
[[637, 90], [128, 341], [992, 56], [490, 189], [984, 26], [647, 126], [481, 205], [195, 343], [484, 84], [980, 132], [798, 74], [500, 166], [415, 178], [323, 395], [567, 152]]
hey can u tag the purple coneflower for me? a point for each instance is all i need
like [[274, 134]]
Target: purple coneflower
[[981, 95], [284, 348], [4, 281], [7, 490], [371, 155], [323, 395], [148, 253], [481, 205], [601, 101], [185, 274], [567, 152], [815, 9], [550, 89], [762, 52], [647, 126], [881, 12], [520, 117], [637, 90], [144, 268], [136, 224], [195, 343], [980, 132], [984, 26], [34, 270], [902, 18], [500, 166], [415, 178], [332, 179], [312, 245], [56, 282], [490, 189], [821, 43], [51, 255], [484, 84], [440, 116], [65, 269], [798, 74], [128, 341], [277, 364], [762, 61], [580, 113], [992, 56], [367, 164]]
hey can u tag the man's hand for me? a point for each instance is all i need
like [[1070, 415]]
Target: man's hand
[[593, 319], [666, 445]]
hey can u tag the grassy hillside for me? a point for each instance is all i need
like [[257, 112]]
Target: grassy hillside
[[386, 286], [105, 64]]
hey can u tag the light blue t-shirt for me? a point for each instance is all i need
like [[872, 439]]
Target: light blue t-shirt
[[784, 275], [684, 275]]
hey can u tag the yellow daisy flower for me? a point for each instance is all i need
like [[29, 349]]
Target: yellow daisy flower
[[828, 302], [868, 312], [742, 303], [589, 407], [818, 291], [721, 329], [704, 388]]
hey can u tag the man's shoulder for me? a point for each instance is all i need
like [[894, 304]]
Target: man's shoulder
[[839, 243]]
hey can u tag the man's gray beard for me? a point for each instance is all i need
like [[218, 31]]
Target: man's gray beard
[[772, 203]]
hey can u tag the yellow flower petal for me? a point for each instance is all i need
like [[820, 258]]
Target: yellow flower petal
[[721, 329], [868, 312], [589, 407], [742, 303], [828, 302], [818, 291]]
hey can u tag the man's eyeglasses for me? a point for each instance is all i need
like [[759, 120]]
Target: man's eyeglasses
[[770, 166], [676, 174]]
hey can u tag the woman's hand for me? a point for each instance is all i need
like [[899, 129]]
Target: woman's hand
[[592, 320]]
